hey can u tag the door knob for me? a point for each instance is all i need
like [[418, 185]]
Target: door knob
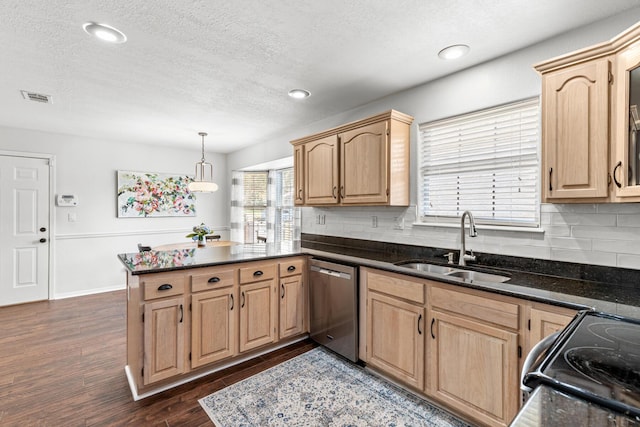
[[43, 229], [43, 240]]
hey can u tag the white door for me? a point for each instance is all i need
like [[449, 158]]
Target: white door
[[24, 229]]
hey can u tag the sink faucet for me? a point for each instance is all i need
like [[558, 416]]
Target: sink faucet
[[472, 233]]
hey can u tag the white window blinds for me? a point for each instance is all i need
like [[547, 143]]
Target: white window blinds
[[485, 162]]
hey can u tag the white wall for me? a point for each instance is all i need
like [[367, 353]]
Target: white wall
[[85, 251], [596, 234]]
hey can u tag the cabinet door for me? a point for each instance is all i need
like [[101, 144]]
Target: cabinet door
[[626, 125], [545, 323], [213, 326], [298, 174], [576, 131], [164, 345], [258, 314], [395, 338], [291, 306], [364, 165], [474, 368], [321, 171]]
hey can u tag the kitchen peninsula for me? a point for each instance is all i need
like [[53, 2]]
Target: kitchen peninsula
[[195, 311]]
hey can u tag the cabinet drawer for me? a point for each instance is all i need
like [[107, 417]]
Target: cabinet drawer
[[257, 272], [395, 285], [162, 285], [212, 278], [291, 267], [475, 306]]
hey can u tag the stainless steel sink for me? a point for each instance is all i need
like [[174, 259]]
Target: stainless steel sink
[[467, 275], [429, 268], [478, 276]]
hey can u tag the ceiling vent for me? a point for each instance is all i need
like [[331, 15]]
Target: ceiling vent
[[37, 97]]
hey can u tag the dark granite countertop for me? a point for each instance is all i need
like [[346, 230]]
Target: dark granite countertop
[[181, 259], [617, 291], [605, 289]]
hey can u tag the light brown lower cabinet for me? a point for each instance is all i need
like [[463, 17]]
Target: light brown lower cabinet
[[181, 324], [291, 306], [213, 326], [395, 338], [545, 320], [473, 368], [164, 343], [258, 314], [465, 354]]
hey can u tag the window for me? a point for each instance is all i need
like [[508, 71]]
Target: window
[[262, 207], [285, 211], [485, 162], [254, 211]]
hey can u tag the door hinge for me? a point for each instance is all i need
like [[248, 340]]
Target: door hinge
[[519, 352]]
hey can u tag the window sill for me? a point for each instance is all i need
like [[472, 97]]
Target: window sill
[[481, 227]]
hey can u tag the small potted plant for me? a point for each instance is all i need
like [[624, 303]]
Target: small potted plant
[[199, 231]]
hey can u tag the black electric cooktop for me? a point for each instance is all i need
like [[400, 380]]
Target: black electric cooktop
[[596, 358]]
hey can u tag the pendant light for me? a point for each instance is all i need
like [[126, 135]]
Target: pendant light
[[200, 183]]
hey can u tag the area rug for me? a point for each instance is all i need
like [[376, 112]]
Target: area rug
[[319, 388]]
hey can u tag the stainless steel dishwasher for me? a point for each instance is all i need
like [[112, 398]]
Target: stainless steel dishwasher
[[334, 307]]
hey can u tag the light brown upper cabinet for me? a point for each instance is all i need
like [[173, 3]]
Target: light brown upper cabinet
[[626, 121], [576, 131], [321, 171], [360, 163], [298, 176], [590, 123]]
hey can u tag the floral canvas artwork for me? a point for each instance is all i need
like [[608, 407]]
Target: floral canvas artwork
[[148, 194]]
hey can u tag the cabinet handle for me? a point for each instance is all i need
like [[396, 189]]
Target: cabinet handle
[[291, 268], [258, 273], [300, 194], [433, 321], [242, 303], [419, 319], [181, 313], [550, 185], [214, 280], [43, 240], [165, 287], [614, 174], [231, 309], [282, 286], [342, 191], [333, 192]]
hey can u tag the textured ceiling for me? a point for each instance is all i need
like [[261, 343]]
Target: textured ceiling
[[225, 67]]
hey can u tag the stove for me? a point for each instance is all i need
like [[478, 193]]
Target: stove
[[596, 358]]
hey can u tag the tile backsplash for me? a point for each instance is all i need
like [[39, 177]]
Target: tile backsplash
[[600, 234]]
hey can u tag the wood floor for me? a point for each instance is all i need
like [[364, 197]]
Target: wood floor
[[62, 364]]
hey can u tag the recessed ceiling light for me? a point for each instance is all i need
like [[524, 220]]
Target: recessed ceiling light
[[454, 52], [299, 93], [104, 32]]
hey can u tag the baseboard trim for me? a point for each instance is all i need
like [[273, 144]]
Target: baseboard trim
[[86, 292], [235, 361]]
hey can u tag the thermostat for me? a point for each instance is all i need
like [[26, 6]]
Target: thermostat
[[67, 200]]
